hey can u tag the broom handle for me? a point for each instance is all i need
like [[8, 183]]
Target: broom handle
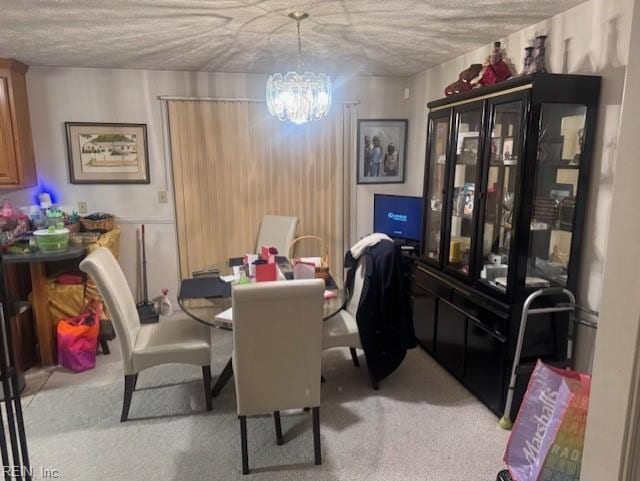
[[145, 292]]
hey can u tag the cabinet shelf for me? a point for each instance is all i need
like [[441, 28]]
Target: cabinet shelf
[[551, 229], [559, 165], [463, 216]]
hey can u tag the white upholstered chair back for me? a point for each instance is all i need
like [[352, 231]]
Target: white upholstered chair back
[[358, 285], [103, 267], [278, 231], [277, 345]]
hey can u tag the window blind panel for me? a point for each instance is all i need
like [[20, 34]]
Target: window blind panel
[[233, 163]]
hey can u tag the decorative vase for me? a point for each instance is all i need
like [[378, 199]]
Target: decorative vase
[[539, 56], [528, 59]]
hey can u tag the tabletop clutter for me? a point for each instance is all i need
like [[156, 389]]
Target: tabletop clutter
[[48, 228], [265, 266], [65, 304], [269, 266]]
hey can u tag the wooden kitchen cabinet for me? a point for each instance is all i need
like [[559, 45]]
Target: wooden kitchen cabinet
[[17, 163]]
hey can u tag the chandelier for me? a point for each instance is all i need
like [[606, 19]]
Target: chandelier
[[298, 96]]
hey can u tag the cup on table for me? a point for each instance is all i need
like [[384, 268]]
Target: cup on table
[[238, 272], [249, 260]]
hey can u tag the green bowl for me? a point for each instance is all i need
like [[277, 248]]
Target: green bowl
[[52, 241]]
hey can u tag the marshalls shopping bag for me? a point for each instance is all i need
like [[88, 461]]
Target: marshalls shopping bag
[[78, 339], [548, 435]]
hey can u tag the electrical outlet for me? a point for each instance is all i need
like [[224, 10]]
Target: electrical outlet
[[82, 207], [162, 197]]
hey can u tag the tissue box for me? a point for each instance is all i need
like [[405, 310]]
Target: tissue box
[[266, 272]]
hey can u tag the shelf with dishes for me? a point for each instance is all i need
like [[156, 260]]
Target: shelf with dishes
[[506, 163]]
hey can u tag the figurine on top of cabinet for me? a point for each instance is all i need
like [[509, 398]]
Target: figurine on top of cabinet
[[463, 84], [495, 69], [535, 57]]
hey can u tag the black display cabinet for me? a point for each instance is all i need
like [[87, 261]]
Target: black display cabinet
[[506, 181]]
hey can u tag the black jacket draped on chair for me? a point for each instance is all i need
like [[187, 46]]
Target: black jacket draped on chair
[[383, 316]]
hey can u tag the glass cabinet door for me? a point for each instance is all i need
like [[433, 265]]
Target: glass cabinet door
[[438, 154], [556, 187], [465, 173], [498, 220]]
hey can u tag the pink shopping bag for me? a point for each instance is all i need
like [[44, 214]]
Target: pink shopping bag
[[77, 339], [548, 435]]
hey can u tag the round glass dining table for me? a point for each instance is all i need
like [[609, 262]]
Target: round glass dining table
[[212, 311], [216, 313]]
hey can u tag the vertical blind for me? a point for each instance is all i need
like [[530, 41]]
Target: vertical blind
[[234, 163]]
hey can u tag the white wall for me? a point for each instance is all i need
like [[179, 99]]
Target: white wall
[[57, 95], [613, 424], [592, 38], [382, 102]]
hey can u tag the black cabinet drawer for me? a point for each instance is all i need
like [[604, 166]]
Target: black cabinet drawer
[[424, 307], [484, 369], [450, 339], [495, 320], [423, 279]]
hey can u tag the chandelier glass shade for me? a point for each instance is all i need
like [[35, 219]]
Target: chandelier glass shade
[[298, 96]]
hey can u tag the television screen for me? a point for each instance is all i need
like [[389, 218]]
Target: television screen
[[398, 216]]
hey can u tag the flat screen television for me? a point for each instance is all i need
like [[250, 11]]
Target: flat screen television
[[398, 216]]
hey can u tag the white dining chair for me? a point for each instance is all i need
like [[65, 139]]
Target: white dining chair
[[277, 231], [143, 346], [341, 329], [276, 353]]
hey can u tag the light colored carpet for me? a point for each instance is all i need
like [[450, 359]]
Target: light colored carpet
[[420, 425]]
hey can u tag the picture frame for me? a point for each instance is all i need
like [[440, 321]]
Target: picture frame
[[382, 151], [107, 153], [560, 191], [507, 149], [469, 150], [469, 193], [496, 149]]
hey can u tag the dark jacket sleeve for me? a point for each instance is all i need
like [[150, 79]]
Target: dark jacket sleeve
[[386, 331]]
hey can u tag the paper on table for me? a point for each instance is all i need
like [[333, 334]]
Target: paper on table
[[304, 271], [225, 318], [316, 261], [229, 278], [225, 315]]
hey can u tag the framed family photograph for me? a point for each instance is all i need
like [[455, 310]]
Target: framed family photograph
[[382, 151], [104, 153]]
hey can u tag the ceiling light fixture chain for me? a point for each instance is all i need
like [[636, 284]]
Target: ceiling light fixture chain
[[300, 60], [298, 96]]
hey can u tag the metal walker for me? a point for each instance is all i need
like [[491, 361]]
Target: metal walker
[[505, 421]]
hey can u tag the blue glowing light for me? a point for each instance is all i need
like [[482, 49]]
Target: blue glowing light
[[45, 187]]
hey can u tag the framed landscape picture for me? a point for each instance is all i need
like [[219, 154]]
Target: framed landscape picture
[[382, 151], [102, 153]]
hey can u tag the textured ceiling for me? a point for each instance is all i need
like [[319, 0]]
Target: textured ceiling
[[345, 37]]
